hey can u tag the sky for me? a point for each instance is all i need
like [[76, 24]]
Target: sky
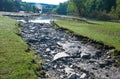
[[46, 1]]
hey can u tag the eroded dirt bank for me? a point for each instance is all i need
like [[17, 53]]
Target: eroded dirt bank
[[65, 57]]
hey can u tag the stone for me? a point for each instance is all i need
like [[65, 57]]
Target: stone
[[106, 62], [53, 52], [62, 76], [48, 50], [68, 70], [85, 55], [60, 55], [31, 40], [92, 60], [55, 66], [74, 76], [71, 66], [83, 76], [102, 64], [109, 61], [108, 57], [21, 21]]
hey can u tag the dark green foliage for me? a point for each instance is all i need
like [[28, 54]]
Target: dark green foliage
[[16, 6], [9, 5], [62, 8], [100, 9], [90, 8]]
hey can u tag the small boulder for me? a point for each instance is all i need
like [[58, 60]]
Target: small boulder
[[48, 50], [74, 76], [83, 76], [102, 64], [85, 55]]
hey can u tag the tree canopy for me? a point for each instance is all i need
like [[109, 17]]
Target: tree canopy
[[16, 5], [109, 9]]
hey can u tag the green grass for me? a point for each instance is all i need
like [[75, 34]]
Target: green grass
[[15, 63], [106, 32]]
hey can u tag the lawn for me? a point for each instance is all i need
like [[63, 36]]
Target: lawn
[[15, 61], [106, 32]]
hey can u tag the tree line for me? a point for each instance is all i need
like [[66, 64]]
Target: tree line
[[16, 6], [101, 9]]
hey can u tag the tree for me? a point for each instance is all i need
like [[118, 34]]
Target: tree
[[118, 8], [72, 9], [103, 9], [16, 6], [62, 8]]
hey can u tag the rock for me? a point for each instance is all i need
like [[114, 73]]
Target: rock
[[31, 40], [71, 66], [108, 57], [83, 76], [74, 76], [60, 55], [102, 64], [106, 62], [111, 51], [55, 66], [109, 61], [68, 70], [96, 55], [85, 55], [53, 52], [48, 50], [62, 76], [92, 61], [21, 21]]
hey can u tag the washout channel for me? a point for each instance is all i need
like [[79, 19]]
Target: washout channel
[[65, 56]]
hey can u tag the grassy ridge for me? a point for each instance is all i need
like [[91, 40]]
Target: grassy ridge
[[106, 32], [15, 62]]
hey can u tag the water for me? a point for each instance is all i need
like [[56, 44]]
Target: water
[[43, 19]]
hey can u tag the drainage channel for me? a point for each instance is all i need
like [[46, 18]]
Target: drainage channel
[[66, 57]]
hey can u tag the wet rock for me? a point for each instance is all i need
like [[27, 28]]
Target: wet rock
[[108, 57], [48, 50], [53, 52], [83, 76], [60, 55], [21, 21], [92, 61], [31, 40], [102, 64], [74, 76], [85, 55], [55, 66], [109, 61], [68, 70], [106, 62], [62, 76]]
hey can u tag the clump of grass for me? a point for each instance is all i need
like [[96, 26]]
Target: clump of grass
[[15, 61]]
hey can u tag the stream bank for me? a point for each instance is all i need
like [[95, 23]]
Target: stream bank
[[66, 57]]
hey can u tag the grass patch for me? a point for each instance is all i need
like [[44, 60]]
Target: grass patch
[[106, 32], [15, 62]]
